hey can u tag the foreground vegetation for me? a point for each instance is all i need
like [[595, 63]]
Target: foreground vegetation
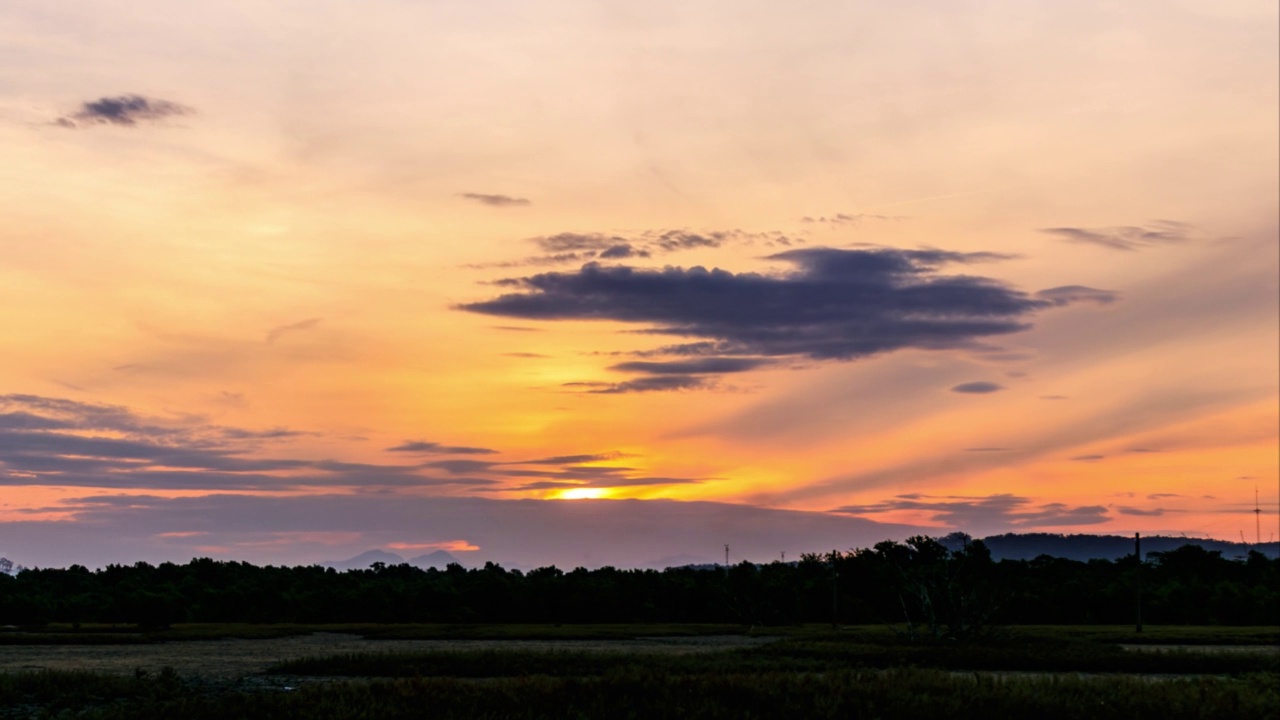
[[816, 675], [933, 590], [799, 655], [904, 693]]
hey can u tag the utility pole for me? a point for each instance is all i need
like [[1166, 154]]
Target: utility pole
[[1257, 518], [726, 559], [1137, 578]]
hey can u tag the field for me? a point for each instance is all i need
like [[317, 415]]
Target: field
[[447, 671]]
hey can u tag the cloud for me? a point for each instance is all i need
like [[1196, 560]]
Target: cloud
[[1156, 512], [835, 304], [847, 219], [125, 110], [980, 387], [575, 459], [1129, 237], [698, 366], [573, 247], [279, 331], [1068, 294], [1088, 458], [621, 250], [496, 200], [433, 448], [985, 513], [660, 383], [58, 442]]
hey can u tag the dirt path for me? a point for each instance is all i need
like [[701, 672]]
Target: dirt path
[[226, 659]]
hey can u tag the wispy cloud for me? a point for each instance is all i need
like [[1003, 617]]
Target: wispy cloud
[[496, 200], [986, 513], [980, 387], [123, 110], [1127, 237], [575, 247], [280, 331], [434, 448]]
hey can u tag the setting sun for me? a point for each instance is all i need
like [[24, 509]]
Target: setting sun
[[582, 494]]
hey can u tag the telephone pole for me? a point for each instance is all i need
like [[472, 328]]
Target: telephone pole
[[1257, 518]]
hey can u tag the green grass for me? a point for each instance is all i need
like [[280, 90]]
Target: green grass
[[103, 634], [819, 654], [896, 694]]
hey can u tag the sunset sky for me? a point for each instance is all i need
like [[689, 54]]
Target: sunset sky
[[612, 282]]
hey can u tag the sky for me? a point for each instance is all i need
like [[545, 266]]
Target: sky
[[604, 282]]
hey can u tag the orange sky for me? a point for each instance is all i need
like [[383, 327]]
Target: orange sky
[[250, 248]]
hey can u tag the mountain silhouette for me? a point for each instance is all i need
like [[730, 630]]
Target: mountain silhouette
[[438, 560]]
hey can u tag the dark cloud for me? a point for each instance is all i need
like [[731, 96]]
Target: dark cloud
[[605, 483], [989, 513], [980, 387], [847, 219], [461, 467], [1068, 294], [659, 383], [433, 448], [279, 331], [986, 449], [127, 110], [1054, 397], [526, 355], [620, 251], [572, 247], [574, 459], [1088, 458], [1156, 512], [496, 200], [1129, 237], [1161, 496], [51, 441], [576, 242], [700, 366], [837, 304]]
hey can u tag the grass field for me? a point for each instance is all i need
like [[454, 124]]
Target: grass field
[[647, 671]]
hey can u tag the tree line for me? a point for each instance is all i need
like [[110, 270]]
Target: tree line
[[921, 584]]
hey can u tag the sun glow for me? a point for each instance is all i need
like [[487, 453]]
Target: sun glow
[[582, 494]]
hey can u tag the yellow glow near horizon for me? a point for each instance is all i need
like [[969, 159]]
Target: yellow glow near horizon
[[583, 494]]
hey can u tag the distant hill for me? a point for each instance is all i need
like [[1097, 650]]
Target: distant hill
[[438, 560], [1027, 546], [672, 561], [364, 560]]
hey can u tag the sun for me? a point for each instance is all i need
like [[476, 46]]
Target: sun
[[582, 494]]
